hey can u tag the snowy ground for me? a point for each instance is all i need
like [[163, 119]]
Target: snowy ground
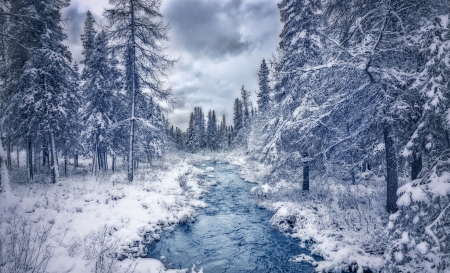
[[84, 224]]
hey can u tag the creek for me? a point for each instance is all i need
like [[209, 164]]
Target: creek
[[232, 234]]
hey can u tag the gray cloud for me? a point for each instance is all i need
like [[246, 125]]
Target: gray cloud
[[220, 44], [75, 16], [211, 28]]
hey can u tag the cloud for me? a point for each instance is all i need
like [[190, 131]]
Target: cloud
[[220, 43], [214, 29], [74, 16]]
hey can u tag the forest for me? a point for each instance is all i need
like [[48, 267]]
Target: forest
[[347, 141]]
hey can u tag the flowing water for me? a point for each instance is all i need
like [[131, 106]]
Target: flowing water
[[232, 234]]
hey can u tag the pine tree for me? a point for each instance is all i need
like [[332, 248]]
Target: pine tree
[[190, 143], [264, 90], [245, 101], [238, 115], [88, 37], [211, 131], [50, 106], [100, 87], [139, 35]]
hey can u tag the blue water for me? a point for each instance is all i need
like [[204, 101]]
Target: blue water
[[232, 235]]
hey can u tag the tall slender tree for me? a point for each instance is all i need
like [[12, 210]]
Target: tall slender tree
[[139, 34], [264, 90]]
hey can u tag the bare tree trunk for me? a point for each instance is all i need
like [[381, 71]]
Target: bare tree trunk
[[133, 91], [54, 160], [36, 160], [391, 169], [30, 158], [75, 161], [305, 173], [8, 155], [18, 162], [100, 162], [45, 155], [4, 176], [106, 160], [65, 165], [113, 166], [95, 159], [416, 165]]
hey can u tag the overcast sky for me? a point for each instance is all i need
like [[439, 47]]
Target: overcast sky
[[220, 45]]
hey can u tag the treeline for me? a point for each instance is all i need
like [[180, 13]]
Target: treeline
[[109, 109], [212, 134], [364, 85]]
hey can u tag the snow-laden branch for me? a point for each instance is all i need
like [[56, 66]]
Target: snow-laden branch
[[436, 221]]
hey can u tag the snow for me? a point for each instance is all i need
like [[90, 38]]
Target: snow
[[422, 248], [90, 215], [345, 236]]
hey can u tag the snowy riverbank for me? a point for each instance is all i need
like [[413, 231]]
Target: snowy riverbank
[[346, 223], [84, 224]]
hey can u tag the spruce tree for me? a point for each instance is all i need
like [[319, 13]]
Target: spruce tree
[[238, 115], [245, 105], [138, 33], [264, 90], [100, 87], [47, 105]]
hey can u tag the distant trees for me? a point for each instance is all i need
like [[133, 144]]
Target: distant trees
[[264, 89]]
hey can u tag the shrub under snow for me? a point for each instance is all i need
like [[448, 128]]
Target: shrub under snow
[[420, 230]]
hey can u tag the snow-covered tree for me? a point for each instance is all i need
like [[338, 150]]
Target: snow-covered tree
[[264, 89], [211, 131], [139, 34], [238, 118], [245, 99], [47, 105], [100, 94]]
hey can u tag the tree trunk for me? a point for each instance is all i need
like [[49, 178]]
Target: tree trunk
[[65, 165], [305, 173], [95, 159], [133, 91], [100, 161], [391, 170], [36, 159], [45, 155], [106, 161], [30, 158], [18, 162], [8, 155], [54, 160], [131, 154], [416, 165], [75, 161], [113, 163]]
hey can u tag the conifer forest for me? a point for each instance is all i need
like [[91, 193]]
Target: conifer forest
[[224, 136]]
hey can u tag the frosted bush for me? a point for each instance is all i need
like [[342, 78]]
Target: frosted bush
[[420, 230], [24, 247]]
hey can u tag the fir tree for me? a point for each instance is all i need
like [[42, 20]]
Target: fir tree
[[238, 115], [264, 90], [100, 95], [139, 34], [50, 107]]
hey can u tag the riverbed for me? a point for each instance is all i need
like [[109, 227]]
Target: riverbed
[[232, 234]]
